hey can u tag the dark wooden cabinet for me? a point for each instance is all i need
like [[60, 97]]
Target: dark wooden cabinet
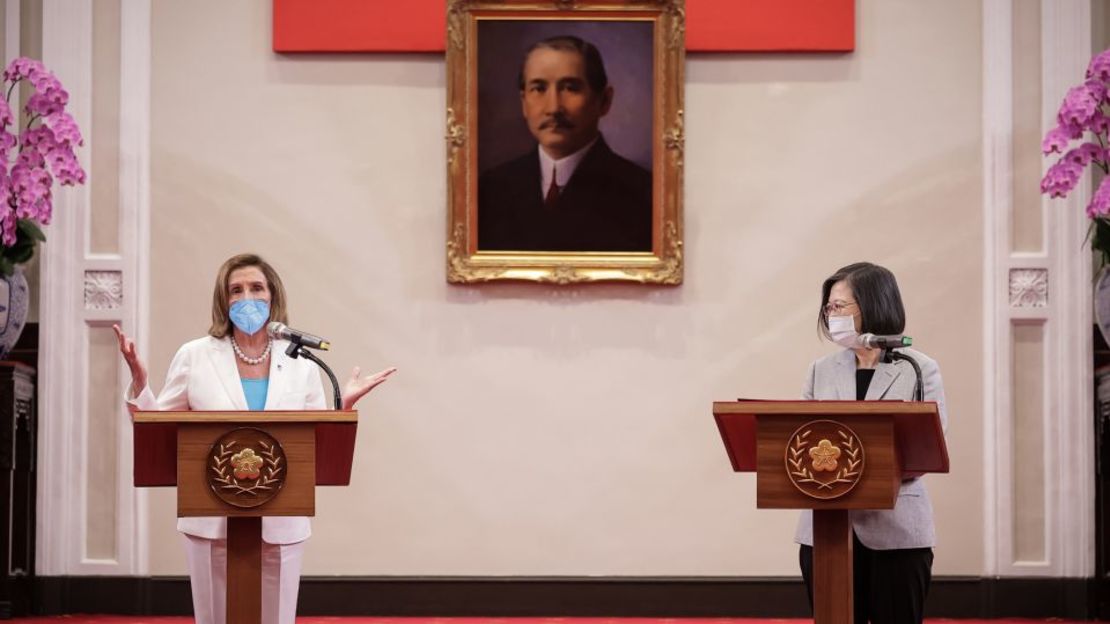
[[1102, 472], [18, 429]]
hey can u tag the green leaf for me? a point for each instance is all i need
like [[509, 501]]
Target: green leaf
[[22, 244], [21, 254], [6, 266], [31, 229]]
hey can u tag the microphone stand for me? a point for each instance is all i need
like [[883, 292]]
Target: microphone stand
[[889, 355], [296, 350]]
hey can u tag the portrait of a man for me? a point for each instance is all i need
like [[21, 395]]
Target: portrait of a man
[[569, 189], [565, 141]]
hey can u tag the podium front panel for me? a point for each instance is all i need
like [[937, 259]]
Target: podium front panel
[[203, 468], [871, 436], [154, 449]]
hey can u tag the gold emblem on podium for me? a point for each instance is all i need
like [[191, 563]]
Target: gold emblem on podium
[[824, 459], [246, 467]]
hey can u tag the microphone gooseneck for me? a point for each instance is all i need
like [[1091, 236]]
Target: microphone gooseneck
[[889, 355], [295, 351]]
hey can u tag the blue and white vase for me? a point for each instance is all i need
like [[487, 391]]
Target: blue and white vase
[[14, 299]]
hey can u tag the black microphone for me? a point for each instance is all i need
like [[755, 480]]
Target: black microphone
[[871, 341], [280, 330]]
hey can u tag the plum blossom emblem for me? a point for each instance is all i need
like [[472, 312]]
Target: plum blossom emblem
[[824, 456], [246, 467], [246, 464], [824, 459]]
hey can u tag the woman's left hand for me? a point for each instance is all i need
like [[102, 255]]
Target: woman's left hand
[[357, 387]]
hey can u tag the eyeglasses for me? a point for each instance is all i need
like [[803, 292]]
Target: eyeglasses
[[836, 307]]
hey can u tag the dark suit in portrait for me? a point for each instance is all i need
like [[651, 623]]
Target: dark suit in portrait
[[605, 206]]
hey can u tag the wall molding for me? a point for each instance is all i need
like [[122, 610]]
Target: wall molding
[[663, 597], [67, 317], [1066, 46], [1063, 269], [66, 41], [997, 170]]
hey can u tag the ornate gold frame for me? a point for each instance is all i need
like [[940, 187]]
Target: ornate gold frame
[[465, 264]]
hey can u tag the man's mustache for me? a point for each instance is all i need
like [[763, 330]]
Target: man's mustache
[[557, 122]]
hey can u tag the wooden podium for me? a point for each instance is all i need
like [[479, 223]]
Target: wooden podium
[[244, 465], [831, 457]]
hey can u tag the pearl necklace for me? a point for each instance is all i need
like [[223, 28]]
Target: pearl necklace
[[249, 360]]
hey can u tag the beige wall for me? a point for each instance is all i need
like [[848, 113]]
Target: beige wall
[[535, 430]]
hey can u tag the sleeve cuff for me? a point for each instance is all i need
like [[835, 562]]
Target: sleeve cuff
[[145, 402]]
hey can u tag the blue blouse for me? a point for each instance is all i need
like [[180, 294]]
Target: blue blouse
[[255, 391]]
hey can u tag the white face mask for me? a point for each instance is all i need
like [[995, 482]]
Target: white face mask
[[842, 329]]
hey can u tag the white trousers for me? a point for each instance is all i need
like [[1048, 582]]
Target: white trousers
[[281, 580]]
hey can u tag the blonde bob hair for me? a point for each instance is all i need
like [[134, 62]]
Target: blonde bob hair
[[221, 322]]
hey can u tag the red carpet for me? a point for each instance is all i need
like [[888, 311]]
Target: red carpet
[[325, 620]]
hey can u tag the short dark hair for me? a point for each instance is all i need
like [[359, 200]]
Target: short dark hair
[[595, 68], [877, 295]]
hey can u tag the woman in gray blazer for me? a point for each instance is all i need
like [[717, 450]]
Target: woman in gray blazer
[[893, 548]]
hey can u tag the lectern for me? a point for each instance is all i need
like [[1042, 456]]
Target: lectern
[[831, 457], [244, 465]]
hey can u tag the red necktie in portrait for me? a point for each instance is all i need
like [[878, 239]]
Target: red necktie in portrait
[[552, 196]]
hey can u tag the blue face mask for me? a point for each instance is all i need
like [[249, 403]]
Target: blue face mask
[[249, 315]]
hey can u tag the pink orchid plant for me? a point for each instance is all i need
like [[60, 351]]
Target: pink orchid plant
[[32, 158]]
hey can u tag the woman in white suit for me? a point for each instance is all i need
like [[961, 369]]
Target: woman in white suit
[[238, 367], [892, 549]]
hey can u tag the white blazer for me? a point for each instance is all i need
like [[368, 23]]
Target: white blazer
[[203, 376], [910, 523]]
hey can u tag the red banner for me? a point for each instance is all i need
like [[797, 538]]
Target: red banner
[[420, 25]]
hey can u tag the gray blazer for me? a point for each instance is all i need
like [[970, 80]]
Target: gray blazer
[[910, 523]]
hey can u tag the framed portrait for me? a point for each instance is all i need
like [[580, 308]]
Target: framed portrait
[[565, 140]]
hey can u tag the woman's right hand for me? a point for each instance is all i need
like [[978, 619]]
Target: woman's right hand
[[131, 356]]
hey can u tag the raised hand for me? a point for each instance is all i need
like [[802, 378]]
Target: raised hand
[[131, 356], [357, 387]]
